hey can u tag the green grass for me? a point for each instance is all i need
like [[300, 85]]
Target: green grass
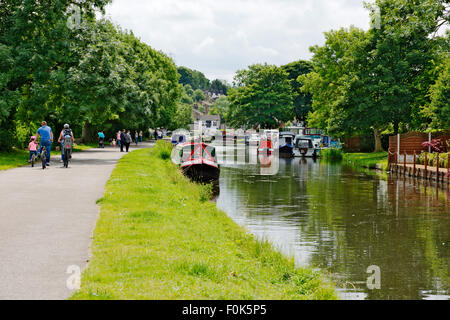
[[367, 160], [19, 158], [159, 237], [14, 159], [332, 154]]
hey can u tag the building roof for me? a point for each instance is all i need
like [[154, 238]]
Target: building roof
[[210, 118]]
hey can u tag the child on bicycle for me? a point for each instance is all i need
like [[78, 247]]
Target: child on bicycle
[[32, 147]]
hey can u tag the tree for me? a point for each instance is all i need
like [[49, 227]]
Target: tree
[[198, 95], [302, 101], [219, 87], [377, 79], [335, 65], [439, 108], [36, 35], [220, 107], [183, 117], [262, 97], [194, 78]]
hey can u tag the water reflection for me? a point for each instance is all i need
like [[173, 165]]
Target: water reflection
[[340, 220]]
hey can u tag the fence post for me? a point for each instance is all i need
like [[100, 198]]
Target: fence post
[[448, 167], [404, 163], [437, 167], [426, 165], [414, 168]]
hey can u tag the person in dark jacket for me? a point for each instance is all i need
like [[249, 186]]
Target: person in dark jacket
[[122, 140]]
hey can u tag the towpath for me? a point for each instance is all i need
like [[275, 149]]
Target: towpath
[[47, 218]]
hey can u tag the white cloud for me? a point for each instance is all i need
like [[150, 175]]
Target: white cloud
[[219, 37]]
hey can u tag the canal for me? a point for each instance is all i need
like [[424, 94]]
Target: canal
[[342, 221]]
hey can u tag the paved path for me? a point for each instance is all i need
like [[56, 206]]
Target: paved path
[[47, 218]]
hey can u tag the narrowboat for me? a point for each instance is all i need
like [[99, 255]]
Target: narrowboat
[[199, 162], [286, 142], [304, 147], [265, 145]]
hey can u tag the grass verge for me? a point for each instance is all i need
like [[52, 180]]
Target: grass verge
[[374, 160], [19, 158], [14, 159], [159, 237]]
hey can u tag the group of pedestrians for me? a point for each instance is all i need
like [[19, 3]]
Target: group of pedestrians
[[124, 139], [46, 134]]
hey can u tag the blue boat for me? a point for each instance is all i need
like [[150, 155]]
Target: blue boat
[[286, 144]]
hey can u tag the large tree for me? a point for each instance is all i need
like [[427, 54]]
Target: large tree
[[194, 78], [262, 97], [377, 79], [302, 101]]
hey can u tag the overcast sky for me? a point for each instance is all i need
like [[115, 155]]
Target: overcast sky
[[219, 37]]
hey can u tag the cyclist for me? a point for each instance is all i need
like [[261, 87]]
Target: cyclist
[[65, 133], [46, 139]]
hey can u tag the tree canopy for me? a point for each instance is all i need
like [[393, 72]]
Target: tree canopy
[[378, 79], [88, 74], [302, 100], [262, 97]]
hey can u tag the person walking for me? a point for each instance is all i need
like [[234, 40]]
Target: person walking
[[141, 135], [128, 140], [118, 138], [122, 139], [46, 134], [136, 137], [101, 140]]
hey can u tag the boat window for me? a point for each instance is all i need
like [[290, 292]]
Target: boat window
[[304, 143], [191, 152], [209, 152]]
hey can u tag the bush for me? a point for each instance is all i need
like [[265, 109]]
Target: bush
[[7, 140], [432, 159], [163, 149], [332, 154]]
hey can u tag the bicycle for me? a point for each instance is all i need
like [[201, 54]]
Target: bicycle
[[33, 160], [67, 152]]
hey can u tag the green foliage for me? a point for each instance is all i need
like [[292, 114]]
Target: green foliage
[[332, 154], [206, 192], [163, 149], [183, 117], [439, 108], [159, 240], [88, 76], [198, 95], [219, 87], [194, 78], [262, 97], [367, 160], [302, 101], [220, 107], [432, 159], [379, 79]]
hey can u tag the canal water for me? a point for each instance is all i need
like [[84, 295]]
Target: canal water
[[343, 221]]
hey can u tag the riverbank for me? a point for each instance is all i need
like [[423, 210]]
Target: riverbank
[[19, 158], [374, 160], [159, 237]]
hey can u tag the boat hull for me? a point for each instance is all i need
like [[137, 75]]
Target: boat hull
[[202, 172], [286, 151]]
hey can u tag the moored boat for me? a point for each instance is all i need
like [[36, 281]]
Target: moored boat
[[199, 163], [265, 145], [304, 147], [286, 142]]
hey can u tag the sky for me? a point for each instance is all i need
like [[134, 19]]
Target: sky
[[219, 37]]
